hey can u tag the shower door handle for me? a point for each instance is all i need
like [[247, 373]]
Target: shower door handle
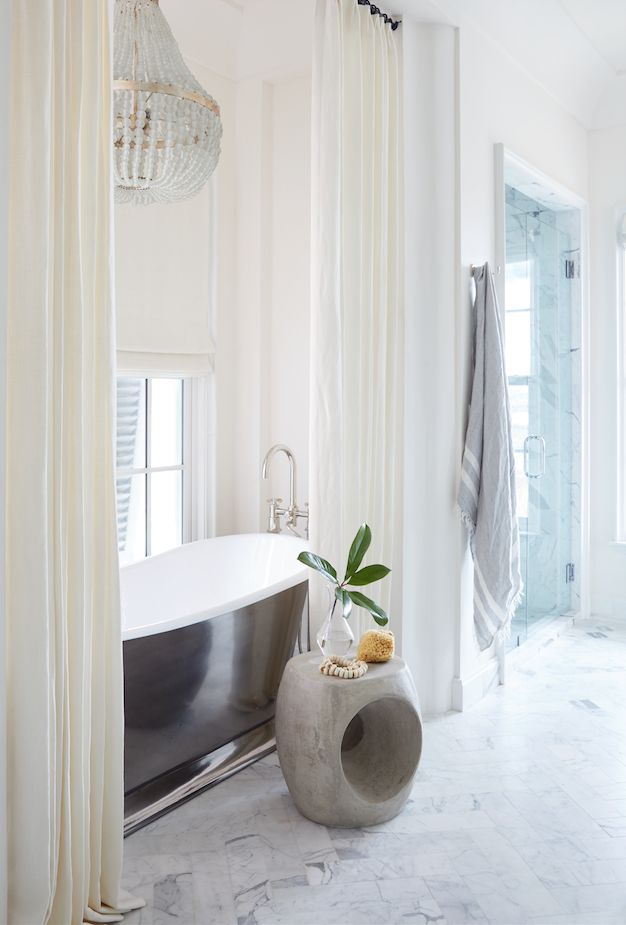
[[542, 456]]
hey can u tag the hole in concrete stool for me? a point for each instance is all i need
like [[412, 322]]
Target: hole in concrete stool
[[381, 749]]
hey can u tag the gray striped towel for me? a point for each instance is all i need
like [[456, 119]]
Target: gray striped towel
[[487, 491]]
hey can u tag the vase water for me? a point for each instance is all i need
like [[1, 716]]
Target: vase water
[[335, 636]]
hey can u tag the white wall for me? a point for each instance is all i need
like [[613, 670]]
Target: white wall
[[276, 40], [245, 283], [291, 277], [463, 95], [430, 592], [472, 95], [208, 33], [607, 154], [271, 356], [275, 60], [176, 282], [498, 102], [253, 281], [5, 61]]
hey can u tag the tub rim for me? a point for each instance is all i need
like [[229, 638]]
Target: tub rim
[[298, 576]]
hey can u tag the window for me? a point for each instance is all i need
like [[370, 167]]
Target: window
[[151, 466], [519, 314]]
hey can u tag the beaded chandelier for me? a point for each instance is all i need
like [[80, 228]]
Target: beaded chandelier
[[166, 128]]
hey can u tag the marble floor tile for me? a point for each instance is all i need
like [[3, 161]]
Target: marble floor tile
[[456, 901], [517, 815], [213, 893], [248, 874], [594, 918], [392, 868], [609, 899], [166, 883], [332, 903], [511, 897]]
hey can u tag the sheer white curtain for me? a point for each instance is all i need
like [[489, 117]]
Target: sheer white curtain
[[64, 711], [357, 299]]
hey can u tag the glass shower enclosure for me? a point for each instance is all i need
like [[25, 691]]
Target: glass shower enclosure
[[540, 288]]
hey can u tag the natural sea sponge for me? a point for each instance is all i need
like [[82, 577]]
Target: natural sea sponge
[[376, 646]]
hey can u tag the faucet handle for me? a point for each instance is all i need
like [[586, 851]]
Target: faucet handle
[[274, 515]]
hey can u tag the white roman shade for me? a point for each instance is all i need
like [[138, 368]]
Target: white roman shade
[[146, 363], [164, 287]]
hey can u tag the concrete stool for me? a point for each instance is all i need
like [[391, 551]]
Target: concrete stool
[[348, 749]]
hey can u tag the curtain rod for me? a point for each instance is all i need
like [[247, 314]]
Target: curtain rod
[[375, 11]]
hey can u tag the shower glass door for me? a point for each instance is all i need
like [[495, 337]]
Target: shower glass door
[[542, 327]]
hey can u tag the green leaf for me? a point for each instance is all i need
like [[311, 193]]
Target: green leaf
[[382, 621], [344, 599], [367, 603], [369, 574], [360, 545], [320, 565]]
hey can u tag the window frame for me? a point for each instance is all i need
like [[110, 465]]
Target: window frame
[[147, 471]]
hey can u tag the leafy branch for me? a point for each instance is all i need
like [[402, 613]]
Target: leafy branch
[[355, 577]]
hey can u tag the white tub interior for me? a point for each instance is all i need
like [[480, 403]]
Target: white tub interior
[[204, 579]]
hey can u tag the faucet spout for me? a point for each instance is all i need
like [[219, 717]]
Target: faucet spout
[[292, 512], [281, 448]]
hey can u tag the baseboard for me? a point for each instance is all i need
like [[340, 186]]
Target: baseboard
[[611, 608], [466, 692]]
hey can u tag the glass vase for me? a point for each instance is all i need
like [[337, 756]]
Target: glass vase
[[335, 637]]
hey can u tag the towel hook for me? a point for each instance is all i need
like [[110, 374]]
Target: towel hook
[[474, 267]]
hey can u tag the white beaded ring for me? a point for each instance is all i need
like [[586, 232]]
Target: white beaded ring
[[338, 667]]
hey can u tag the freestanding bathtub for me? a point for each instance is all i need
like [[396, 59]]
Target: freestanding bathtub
[[208, 629]]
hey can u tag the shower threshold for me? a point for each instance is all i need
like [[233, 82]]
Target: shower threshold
[[543, 633]]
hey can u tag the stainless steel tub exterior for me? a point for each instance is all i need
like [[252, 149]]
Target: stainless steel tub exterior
[[200, 699]]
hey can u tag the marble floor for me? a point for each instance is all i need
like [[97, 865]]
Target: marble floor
[[518, 815]]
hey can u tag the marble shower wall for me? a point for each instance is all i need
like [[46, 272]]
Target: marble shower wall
[[544, 243]]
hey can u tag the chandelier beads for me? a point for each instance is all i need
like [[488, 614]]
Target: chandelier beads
[[166, 127]]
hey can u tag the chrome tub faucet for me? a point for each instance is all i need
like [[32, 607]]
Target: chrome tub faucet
[[293, 513]]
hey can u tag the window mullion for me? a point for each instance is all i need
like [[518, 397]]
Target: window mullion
[[143, 470]]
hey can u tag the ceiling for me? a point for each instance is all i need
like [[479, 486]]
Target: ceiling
[[603, 22], [240, 39], [576, 49]]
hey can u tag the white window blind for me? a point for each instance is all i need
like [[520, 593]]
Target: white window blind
[[152, 466]]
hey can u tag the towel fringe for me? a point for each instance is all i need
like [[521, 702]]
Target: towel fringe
[[467, 519], [517, 600], [504, 632]]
